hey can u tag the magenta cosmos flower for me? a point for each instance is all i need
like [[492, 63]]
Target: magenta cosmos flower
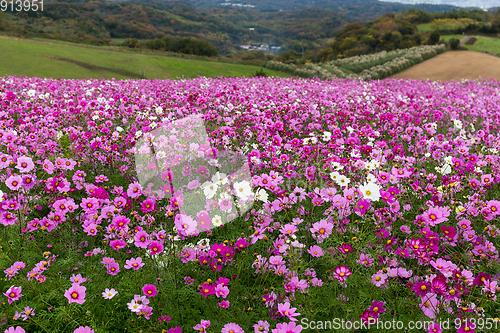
[[155, 247], [117, 244], [149, 290], [232, 328], [341, 273], [76, 294], [14, 293]]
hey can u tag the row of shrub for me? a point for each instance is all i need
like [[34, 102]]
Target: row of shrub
[[373, 66]]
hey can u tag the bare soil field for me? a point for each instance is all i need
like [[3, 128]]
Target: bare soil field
[[454, 65]]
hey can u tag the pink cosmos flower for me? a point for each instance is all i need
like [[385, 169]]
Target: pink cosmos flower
[[90, 205], [76, 294], [155, 247], [91, 229], [361, 207], [8, 218], [261, 326], [321, 230], [113, 268], [341, 273], [148, 205], [226, 204], [141, 239], [109, 293], [25, 164], [365, 260], [435, 215], [429, 305], [315, 251], [221, 291], [14, 182], [13, 293], [435, 328], [117, 244], [202, 326], [17, 329], [287, 328], [185, 224], [120, 222], [101, 179], [149, 290], [189, 254], [286, 310], [134, 190], [379, 278], [107, 260], [224, 304], [78, 279], [83, 329], [135, 306], [232, 328], [134, 263]]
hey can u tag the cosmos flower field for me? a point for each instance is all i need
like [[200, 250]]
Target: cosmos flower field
[[248, 204]]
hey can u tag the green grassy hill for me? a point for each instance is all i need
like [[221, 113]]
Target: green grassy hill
[[44, 58], [483, 44]]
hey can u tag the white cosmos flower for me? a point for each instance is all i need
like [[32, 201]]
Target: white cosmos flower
[[219, 178], [371, 178], [343, 180], [216, 221], [243, 189], [370, 191], [262, 195], [119, 129], [327, 136], [209, 189], [334, 175], [445, 169]]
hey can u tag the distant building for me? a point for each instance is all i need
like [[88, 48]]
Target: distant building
[[251, 29], [246, 47], [236, 5]]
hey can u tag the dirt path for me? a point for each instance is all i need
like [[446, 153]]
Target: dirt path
[[454, 65]]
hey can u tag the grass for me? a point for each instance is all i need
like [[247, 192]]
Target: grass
[[483, 44], [486, 44], [54, 59], [424, 27]]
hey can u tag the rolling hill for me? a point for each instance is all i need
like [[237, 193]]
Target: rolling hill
[[43, 58]]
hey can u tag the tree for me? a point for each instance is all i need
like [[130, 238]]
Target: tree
[[434, 38], [454, 43]]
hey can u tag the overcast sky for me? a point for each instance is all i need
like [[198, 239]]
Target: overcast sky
[[484, 4]]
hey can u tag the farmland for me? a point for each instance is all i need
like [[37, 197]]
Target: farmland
[[456, 66]]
